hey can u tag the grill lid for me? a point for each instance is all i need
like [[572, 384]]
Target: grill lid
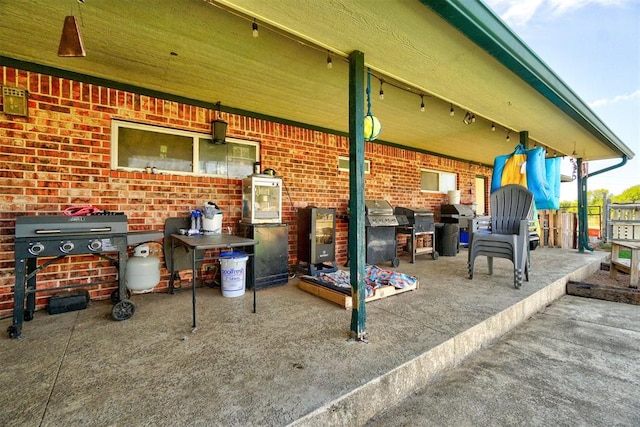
[[413, 212], [377, 207], [456, 211], [44, 225]]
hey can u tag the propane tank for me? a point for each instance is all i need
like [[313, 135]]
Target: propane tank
[[143, 271]]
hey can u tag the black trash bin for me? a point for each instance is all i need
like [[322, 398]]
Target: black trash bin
[[447, 239]]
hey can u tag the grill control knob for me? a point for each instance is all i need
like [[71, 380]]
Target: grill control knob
[[36, 248], [95, 245], [67, 247]]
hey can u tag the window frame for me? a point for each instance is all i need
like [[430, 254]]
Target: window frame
[[367, 165], [116, 124], [442, 189]]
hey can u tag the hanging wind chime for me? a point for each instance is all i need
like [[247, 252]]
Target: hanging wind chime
[[372, 126]]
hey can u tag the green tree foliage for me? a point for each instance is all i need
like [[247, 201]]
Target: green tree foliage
[[566, 204], [596, 197], [630, 195]]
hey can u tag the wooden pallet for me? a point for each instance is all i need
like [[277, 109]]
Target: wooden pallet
[[559, 228], [345, 301]]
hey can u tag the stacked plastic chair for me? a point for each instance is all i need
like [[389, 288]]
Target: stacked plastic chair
[[505, 234]]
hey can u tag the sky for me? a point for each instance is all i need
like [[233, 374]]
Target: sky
[[594, 47]]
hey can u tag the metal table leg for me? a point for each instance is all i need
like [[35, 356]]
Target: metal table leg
[[193, 285], [252, 260]]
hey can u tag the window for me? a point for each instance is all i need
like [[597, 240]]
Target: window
[[436, 181], [343, 164], [137, 147]]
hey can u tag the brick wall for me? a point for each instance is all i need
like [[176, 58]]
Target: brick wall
[[59, 157]]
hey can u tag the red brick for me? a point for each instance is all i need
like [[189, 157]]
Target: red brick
[[65, 153]]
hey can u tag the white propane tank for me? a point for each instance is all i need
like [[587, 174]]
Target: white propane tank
[[143, 271]]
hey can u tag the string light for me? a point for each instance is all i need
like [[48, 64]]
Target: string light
[[508, 136], [469, 117]]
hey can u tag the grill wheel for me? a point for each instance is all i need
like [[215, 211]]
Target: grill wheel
[[123, 310]]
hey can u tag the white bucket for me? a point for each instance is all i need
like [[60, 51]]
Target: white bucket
[[233, 273], [212, 225], [454, 197]]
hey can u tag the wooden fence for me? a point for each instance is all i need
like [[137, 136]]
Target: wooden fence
[[559, 229]]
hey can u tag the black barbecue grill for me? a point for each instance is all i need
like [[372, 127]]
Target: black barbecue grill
[[58, 236], [419, 224], [456, 214], [455, 217], [420, 219], [380, 231]]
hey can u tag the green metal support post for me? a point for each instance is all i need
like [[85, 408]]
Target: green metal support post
[[356, 195], [583, 219]]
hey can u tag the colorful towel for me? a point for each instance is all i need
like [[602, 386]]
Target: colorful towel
[[375, 277]]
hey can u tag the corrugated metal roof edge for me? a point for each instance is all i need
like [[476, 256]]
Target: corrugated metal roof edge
[[481, 25]]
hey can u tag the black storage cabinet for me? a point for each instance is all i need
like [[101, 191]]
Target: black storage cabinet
[[271, 253]]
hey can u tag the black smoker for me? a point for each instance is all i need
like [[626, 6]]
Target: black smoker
[[58, 236], [380, 231], [317, 240]]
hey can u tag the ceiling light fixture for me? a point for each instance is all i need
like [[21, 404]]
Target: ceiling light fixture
[[71, 41], [218, 128], [422, 103], [381, 91], [254, 29], [473, 118], [329, 61], [493, 127], [452, 112]]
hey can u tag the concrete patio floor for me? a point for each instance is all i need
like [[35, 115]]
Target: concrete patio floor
[[289, 363]]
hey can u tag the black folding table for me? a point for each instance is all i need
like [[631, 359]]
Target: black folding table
[[198, 246]]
